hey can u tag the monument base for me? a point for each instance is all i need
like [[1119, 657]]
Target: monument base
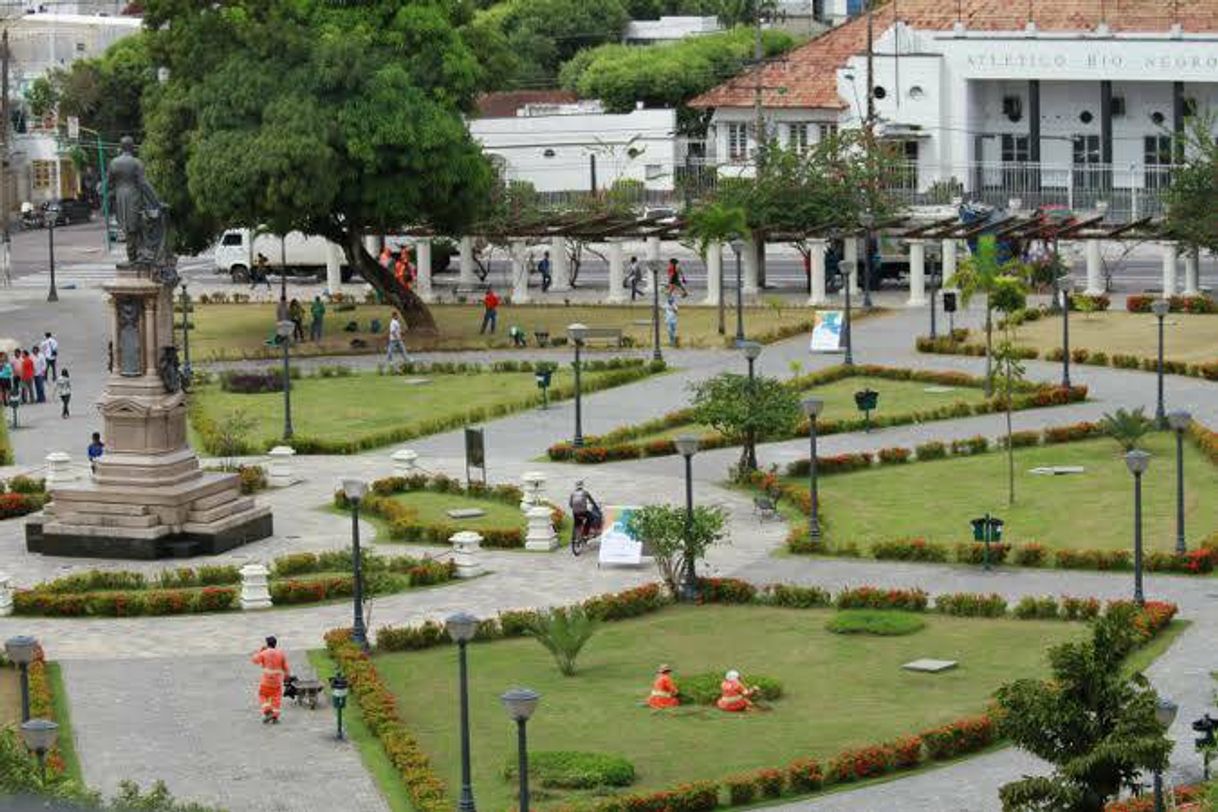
[[204, 515]]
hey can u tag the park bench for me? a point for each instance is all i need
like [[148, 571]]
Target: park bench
[[765, 508], [613, 334]]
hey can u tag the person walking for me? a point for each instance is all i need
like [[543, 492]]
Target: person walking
[[318, 311], [676, 278], [274, 664], [635, 278], [261, 272], [296, 314], [395, 341], [63, 391], [95, 450], [490, 312], [6, 378], [40, 375], [670, 320], [50, 352], [543, 268], [27, 377]]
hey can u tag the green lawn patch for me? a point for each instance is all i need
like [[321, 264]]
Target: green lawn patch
[[875, 622], [936, 500], [66, 740], [838, 691], [432, 509]]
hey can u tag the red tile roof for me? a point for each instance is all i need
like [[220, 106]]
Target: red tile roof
[[807, 75], [504, 104]]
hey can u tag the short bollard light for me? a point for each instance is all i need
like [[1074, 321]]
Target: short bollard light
[[21, 650], [542, 374], [1165, 715], [1206, 744], [866, 401], [520, 704], [338, 698], [39, 737], [987, 529]]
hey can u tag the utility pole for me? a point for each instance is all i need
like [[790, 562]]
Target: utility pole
[[5, 257]]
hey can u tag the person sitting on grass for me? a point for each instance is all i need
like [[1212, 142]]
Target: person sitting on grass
[[734, 697], [517, 336], [663, 690]]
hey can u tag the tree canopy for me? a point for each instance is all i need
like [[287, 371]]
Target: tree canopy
[[331, 119], [104, 92], [1191, 213]]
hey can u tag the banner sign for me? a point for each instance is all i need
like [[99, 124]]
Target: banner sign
[[827, 334]]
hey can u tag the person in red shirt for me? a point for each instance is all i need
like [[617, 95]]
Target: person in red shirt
[[27, 377], [490, 314], [663, 690], [274, 671]]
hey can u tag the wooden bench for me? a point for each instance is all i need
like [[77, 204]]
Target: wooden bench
[[613, 334]]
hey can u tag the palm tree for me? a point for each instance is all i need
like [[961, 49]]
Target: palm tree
[[982, 274], [1127, 427], [564, 632]]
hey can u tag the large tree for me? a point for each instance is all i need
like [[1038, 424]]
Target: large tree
[[335, 119], [104, 92], [1192, 198]]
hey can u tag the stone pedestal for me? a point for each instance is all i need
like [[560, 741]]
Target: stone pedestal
[[541, 537], [534, 485], [404, 461], [6, 594], [279, 472], [148, 498], [59, 469], [467, 550], [255, 592]]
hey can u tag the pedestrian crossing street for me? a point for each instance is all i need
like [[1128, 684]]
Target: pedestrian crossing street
[[92, 274]]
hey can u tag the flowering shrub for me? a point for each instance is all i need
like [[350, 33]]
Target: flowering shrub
[[1033, 608], [918, 549], [805, 775], [971, 604], [13, 505], [1093, 559], [640, 600], [956, 738], [1031, 554], [973, 552], [1073, 432], [741, 789], [934, 450], [1021, 439], [970, 445], [1090, 303], [863, 762], [871, 597], [794, 597], [698, 797], [770, 783], [726, 590], [1194, 561], [891, 456], [1080, 608], [1146, 803]]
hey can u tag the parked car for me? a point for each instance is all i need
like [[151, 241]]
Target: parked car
[[66, 211]]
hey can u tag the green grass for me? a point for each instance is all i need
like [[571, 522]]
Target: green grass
[[875, 622], [6, 450], [839, 691], [1186, 337], [63, 715], [361, 405], [935, 500], [373, 755], [431, 507]]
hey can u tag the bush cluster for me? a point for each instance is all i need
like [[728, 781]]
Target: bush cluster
[[1141, 302], [571, 769], [21, 495], [876, 622], [917, 549], [871, 597], [124, 603], [704, 689]]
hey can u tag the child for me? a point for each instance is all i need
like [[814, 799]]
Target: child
[[63, 389], [95, 450]]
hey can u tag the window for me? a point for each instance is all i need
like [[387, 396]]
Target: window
[[1088, 174], [797, 136], [44, 174], [1157, 157], [1015, 149], [231, 238], [827, 131], [653, 171], [737, 142]]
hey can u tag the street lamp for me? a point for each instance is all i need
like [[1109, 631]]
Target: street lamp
[[751, 350], [354, 489], [850, 270], [39, 736], [1160, 307], [1179, 421], [338, 698], [813, 408], [722, 326], [577, 333], [53, 293], [1165, 714], [520, 704], [283, 330], [21, 650], [1065, 286], [687, 446], [738, 247], [186, 370], [461, 628], [867, 221], [1137, 461], [654, 266]]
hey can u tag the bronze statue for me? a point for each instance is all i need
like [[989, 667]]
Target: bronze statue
[[140, 213]]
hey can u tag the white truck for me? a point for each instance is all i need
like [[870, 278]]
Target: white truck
[[238, 249]]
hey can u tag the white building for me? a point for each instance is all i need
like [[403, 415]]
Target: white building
[[1046, 101], [578, 147], [668, 29]]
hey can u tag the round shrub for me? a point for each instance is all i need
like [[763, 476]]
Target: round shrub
[[703, 689], [875, 621], [571, 769]]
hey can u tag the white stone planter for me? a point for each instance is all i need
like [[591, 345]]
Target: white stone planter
[[59, 469], [467, 550], [255, 592], [404, 462], [279, 471], [534, 486], [541, 537], [6, 594]]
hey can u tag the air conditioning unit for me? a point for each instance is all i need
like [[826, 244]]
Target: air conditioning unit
[[1012, 107], [1118, 106]]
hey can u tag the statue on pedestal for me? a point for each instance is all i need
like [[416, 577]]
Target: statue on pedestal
[[141, 215]]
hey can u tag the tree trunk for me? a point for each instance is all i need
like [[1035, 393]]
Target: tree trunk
[[1010, 445], [989, 348], [414, 311]]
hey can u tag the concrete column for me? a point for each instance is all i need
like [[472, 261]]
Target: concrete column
[[949, 259], [1191, 284], [540, 536], [617, 293], [1095, 265], [560, 265], [652, 255], [714, 273], [404, 460], [1171, 257], [520, 273], [279, 473], [467, 547], [255, 593], [334, 269], [750, 257], [422, 261], [917, 273], [59, 469], [465, 278], [851, 255], [6, 594], [818, 272]]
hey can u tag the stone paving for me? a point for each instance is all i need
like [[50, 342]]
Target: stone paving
[[128, 677]]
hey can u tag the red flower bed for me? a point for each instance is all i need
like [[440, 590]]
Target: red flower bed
[[1146, 803], [956, 738], [863, 762], [871, 597], [726, 590]]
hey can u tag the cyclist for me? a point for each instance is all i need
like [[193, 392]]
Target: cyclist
[[585, 512]]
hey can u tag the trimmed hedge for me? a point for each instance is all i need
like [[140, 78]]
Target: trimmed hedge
[[875, 622], [21, 495], [571, 769]]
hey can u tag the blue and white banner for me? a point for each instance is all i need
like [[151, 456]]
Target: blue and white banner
[[827, 334]]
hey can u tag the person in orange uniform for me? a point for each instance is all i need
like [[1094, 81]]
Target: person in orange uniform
[[663, 690], [274, 670], [733, 696]]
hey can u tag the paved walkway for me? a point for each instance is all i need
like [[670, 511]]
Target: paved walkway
[[127, 678]]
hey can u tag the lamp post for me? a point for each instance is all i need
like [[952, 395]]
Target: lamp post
[[737, 247], [934, 292], [461, 628], [1137, 461], [338, 698], [654, 266], [520, 704], [722, 326], [867, 221], [577, 333], [849, 330], [751, 350], [283, 330], [53, 293], [1179, 421], [1160, 307], [687, 446], [186, 370], [812, 408], [1165, 714], [39, 736], [21, 650], [1065, 286], [355, 489]]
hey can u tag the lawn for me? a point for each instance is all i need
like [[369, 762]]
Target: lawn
[[364, 410], [896, 398], [431, 509], [1186, 338], [231, 332], [10, 696], [1093, 510], [840, 691]]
